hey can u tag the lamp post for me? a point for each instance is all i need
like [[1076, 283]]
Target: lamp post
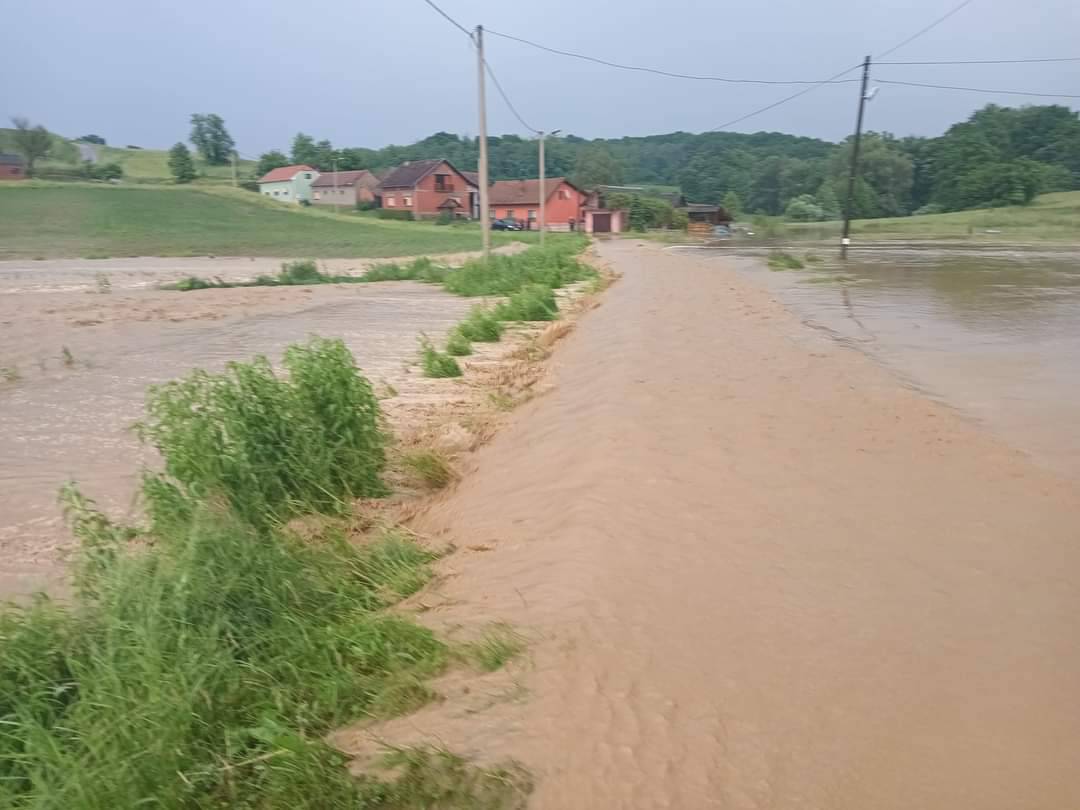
[[543, 189]]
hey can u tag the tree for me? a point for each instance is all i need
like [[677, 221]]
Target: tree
[[826, 200], [732, 204], [304, 149], [34, 143], [210, 137], [180, 164], [92, 139], [268, 161], [596, 167], [803, 208]]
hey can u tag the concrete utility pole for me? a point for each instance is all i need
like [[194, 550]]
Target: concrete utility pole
[[485, 220], [333, 163], [845, 239], [543, 188], [235, 171]]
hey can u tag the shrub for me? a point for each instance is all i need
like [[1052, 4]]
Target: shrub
[[421, 269], [554, 266], [431, 467], [533, 303], [366, 205], [481, 326], [392, 213], [435, 363], [301, 272], [457, 345], [444, 218], [270, 448]]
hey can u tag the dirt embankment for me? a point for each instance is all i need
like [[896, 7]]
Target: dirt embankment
[[757, 573]]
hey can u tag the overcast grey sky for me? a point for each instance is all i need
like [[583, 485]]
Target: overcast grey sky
[[374, 72]]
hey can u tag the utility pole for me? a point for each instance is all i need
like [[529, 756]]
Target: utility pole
[[235, 171], [333, 163], [845, 239], [543, 191], [543, 185], [485, 220]]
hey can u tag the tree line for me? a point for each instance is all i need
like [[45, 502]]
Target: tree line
[[999, 156]]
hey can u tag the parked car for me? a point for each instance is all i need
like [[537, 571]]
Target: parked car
[[505, 225]]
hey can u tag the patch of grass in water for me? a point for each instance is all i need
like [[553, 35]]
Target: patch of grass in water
[[437, 364], [431, 467], [782, 260], [496, 647]]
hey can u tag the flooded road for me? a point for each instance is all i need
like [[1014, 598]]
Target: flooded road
[[995, 335], [757, 573], [77, 361]]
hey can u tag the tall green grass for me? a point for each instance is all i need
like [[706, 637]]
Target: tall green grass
[[201, 666], [270, 447]]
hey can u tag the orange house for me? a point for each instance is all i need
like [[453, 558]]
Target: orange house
[[427, 188], [519, 200]]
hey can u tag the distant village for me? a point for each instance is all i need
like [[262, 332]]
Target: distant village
[[433, 189]]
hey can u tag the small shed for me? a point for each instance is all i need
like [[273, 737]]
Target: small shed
[[703, 218]]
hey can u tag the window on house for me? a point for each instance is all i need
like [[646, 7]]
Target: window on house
[[442, 182], [316, 195], [390, 202], [491, 213], [509, 213], [564, 194], [532, 213], [406, 201]]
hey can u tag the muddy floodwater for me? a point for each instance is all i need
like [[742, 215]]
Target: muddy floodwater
[[994, 334], [80, 342]]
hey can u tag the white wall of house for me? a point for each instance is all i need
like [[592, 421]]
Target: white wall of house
[[292, 191]]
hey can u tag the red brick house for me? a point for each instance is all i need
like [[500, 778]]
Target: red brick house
[[345, 188], [12, 167], [520, 200], [427, 188]]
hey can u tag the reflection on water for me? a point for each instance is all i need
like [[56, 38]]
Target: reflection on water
[[995, 335]]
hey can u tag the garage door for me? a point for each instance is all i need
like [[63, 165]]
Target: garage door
[[601, 223]]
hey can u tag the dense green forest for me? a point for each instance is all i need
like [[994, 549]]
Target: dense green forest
[[999, 156]]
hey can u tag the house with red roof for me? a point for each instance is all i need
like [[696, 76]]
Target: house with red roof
[[428, 188], [291, 184], [519, 200]]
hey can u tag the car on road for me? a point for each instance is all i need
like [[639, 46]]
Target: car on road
[[505, 225]]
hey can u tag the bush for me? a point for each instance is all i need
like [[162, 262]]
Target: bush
[[435, 363], [457, 345], [392, 213], [481, 326], [554, 266], [270, 448], [445, 218], [422, 269], [366, 205], [533, 303]]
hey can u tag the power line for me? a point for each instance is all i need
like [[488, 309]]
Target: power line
[[978, 89], [451, 20], [655, 71], [922, 31], [804, 91], [986, 61], [506, 98]]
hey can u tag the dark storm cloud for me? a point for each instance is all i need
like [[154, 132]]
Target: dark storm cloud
[[372, 72]]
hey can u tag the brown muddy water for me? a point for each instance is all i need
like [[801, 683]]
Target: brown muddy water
[[994, 334], [77, 356]]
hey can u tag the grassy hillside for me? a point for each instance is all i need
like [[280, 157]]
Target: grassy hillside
[[153, 165], [54, 220], [140, 165], [1051, 217]]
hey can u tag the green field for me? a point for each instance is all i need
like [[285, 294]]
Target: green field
[[67, 220], [1050, 218], [152, 165]]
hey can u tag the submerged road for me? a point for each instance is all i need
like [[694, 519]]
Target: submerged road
[[760, 573]]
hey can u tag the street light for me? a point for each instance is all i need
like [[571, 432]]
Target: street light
[[543, 188]]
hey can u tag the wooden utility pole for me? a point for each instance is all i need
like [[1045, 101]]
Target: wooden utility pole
[[333, 163], [235, 171], [845, 239], [485, 220]]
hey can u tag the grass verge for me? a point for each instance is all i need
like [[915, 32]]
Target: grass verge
[[782, 260], [201, 661]]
